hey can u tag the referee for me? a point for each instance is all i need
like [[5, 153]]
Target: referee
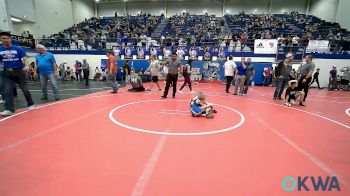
[[173, 66], [306, 71]]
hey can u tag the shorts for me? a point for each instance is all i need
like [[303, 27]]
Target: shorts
[[344, 82], [196, 110], [154, 78]]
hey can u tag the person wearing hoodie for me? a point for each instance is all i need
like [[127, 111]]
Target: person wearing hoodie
[[282, 74]]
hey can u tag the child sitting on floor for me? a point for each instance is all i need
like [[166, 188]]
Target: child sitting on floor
[[292, 94], [200, 107]]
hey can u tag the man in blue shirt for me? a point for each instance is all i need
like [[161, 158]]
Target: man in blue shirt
[[16, 65], [46, 63], [240, 77]]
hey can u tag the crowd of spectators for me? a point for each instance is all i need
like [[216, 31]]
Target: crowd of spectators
[[291, 29], [236, 32], [95, 32]]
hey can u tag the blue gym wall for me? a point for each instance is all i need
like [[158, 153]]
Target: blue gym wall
[[213, 70]]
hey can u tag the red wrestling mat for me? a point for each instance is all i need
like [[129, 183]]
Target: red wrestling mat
[[138, 144]]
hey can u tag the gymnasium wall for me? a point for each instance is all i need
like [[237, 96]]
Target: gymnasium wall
[[4, 20], [324, 64], [342, 14], [46, 16], [325, 9], [82, 9], [21, 9], [200, 7], [281, 6], [256, 7]]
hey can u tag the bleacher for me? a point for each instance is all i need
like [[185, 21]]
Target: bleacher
[[188, 30]]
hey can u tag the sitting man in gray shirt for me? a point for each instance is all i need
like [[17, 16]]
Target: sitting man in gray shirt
[[173, 66], [136, 83]]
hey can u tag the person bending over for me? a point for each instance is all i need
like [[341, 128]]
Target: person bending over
[[136, 83], [292, 94], [200, 107]]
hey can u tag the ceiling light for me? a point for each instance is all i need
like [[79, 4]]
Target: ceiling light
[[16, 19]]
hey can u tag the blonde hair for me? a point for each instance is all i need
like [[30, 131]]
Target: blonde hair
[[201, 96]]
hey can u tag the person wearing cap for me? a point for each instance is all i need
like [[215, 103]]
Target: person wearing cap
[[112, 71], [174, 66], [46, 63], [306, 72], [282, 74], [315, 78], [16, 65]]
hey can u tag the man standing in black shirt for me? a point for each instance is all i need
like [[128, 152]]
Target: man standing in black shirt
[[173, 66], [315, 78]]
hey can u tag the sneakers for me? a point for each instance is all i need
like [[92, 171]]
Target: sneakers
[[301, 104], [32, 107], [163, 97], [180, 92], [210, 115], [174, 97], [114, 92], [7, 113], [148, 90], [288, 104]]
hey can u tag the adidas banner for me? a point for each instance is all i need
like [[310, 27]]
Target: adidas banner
[[265, 46]]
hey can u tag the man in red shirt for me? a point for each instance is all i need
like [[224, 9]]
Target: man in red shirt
[[112, 71]]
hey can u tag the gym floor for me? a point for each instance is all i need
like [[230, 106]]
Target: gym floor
[[138, 144]]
